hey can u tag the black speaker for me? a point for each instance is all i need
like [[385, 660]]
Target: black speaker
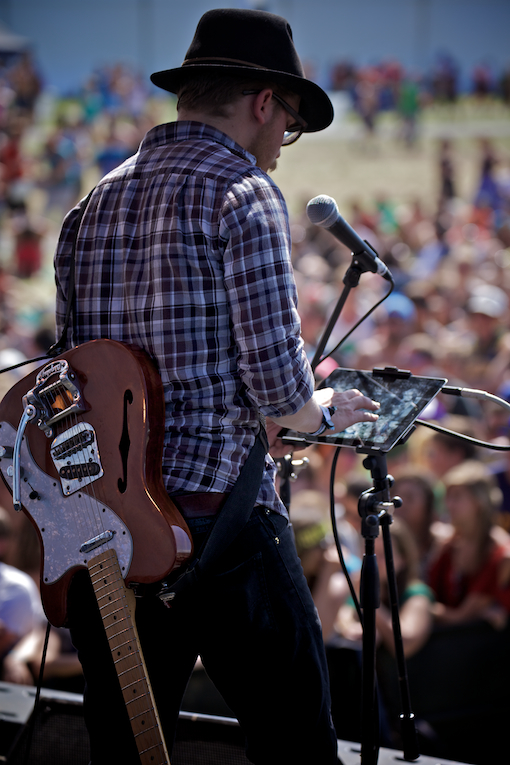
[[57, 734]]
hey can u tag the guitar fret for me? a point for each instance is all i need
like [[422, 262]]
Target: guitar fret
[[114, 613], [149, 712], [126, 643], [134, 683], [121, 673], [145, 752], [120, 628], [144, 731]]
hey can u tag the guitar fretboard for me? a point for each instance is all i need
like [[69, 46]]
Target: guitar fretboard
[[116, 604]]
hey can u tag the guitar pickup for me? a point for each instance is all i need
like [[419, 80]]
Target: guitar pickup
[[95, 542], [76, 457]]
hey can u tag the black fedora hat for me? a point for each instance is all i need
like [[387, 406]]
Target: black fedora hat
[[245, 43]]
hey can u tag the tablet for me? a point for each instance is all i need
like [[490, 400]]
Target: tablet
[[402, 396]]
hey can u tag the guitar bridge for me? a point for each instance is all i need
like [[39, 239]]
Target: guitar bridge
[[76, 456], [55, 396]]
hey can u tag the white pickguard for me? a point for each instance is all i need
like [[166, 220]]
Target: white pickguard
[[65, 523]]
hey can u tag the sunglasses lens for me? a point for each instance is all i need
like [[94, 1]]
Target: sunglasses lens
[[291, 136]]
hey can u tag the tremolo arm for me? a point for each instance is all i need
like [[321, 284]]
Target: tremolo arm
[[55, 397]]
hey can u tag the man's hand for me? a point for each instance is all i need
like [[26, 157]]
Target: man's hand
[[351, 406]]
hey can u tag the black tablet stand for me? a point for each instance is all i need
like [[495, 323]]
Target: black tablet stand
[[375, 508]]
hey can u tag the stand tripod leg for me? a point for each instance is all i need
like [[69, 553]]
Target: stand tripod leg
[[369, 601], [373, 507], [407, 726]]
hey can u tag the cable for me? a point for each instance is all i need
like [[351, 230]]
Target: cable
[[461, 437], [336, 535], [358, 323], [31, 726], [23, 363]]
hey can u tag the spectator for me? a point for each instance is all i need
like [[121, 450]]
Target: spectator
[[444, 452], [487, 311], [471, 575], [20, 603], [319, 557], [62, 668], [416, 489], [447, 184], [415, 598], [396, 319], [29, 233]]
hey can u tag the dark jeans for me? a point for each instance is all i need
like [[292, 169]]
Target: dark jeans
[[255, 626]]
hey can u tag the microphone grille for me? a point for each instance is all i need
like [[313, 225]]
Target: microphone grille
[[322, 211]]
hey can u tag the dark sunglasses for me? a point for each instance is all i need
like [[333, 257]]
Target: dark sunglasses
[[294, 131]]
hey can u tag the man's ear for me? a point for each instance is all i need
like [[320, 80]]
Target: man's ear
[[262, 106]]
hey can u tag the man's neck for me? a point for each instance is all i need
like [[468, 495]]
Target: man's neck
[[231, 126]]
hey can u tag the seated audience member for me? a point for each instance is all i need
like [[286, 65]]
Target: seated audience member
[[319, 558], [416, 488], [471, 575], [62, 669], [344, 649], [444, 452], [415, 599], [20, 603], [347, 495]]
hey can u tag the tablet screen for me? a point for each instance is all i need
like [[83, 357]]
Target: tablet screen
[[402, 399]]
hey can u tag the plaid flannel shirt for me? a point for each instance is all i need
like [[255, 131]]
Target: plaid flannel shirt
[[184, 251]]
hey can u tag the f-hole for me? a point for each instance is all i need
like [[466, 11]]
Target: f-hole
[[125, 441]]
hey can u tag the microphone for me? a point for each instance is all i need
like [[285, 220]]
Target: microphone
[[323, 211]]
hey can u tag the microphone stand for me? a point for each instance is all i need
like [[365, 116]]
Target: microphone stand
[[350, 280]]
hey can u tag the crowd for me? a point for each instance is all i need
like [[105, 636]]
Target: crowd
[[447, 317]]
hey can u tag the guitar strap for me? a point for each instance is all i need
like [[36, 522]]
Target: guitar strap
[[61, 345], [231, 519], [240, 503]]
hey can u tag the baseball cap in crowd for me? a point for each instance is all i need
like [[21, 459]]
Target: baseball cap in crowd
[[399, 306], [489, 300]]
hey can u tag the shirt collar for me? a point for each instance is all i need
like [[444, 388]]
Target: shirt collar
[[172, 132]]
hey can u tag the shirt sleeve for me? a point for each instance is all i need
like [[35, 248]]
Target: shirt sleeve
[[263, 298]]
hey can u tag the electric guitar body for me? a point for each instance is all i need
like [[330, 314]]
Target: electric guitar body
[[81, 451], [89, 466]]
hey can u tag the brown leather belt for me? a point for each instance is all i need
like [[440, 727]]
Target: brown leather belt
[[200, 504]]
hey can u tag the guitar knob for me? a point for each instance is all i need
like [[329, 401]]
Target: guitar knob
[[10, 471]]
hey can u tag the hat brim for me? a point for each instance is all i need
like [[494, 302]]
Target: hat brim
[[315, 108]]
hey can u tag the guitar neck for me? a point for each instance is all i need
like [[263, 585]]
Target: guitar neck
[[117, 607]]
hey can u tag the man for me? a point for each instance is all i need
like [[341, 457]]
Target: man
[[185, 251]]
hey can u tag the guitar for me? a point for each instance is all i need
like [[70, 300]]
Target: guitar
[[81, 450]]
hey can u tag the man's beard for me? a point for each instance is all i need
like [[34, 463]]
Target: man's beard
[[261, 147]]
